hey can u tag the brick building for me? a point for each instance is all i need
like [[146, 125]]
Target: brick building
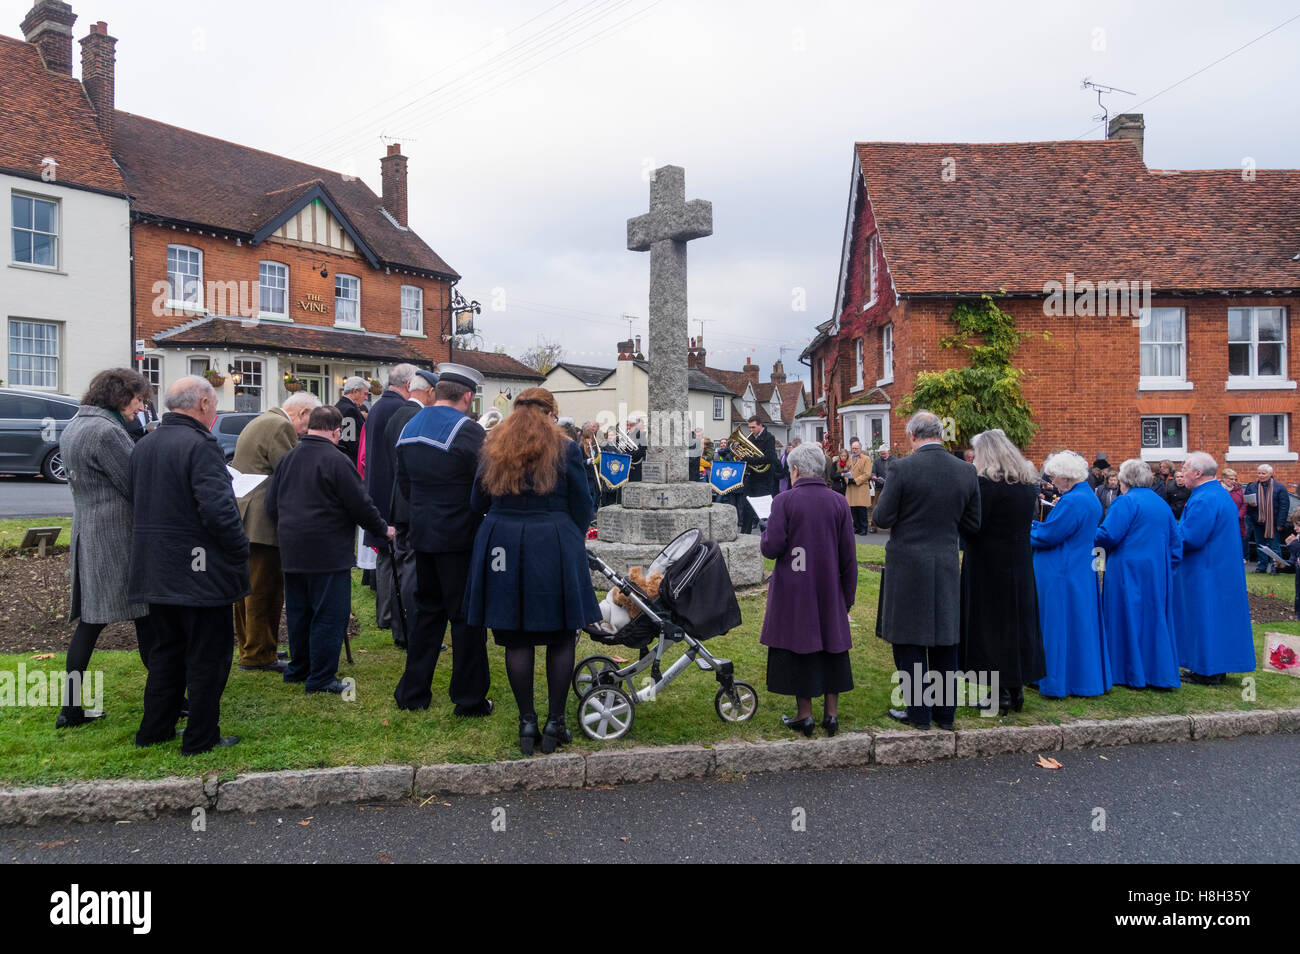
[[249, 265], [1064, 232]]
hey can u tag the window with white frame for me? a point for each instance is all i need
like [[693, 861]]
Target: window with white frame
[[1256, 343], [1163, 337], [198, 366], [869, 294], [413, 309], [823, 380], [886, 354], [1257, 431], [1164, 435], [273, 289], [248, 392], [185, 275], [347, 300], [35, 230], [719, 407], [151, 368], [857, 364], [33, 354]]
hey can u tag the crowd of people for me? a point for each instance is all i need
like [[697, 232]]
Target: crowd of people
[[1074, 579], [475, 529]]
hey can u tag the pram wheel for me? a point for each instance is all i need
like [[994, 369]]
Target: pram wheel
[[586, 675], [736, 704], [606, 713]]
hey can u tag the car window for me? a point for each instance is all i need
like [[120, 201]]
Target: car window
[[23, 406], [60, 411], [234, 423]]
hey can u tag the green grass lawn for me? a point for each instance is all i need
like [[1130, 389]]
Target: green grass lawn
[[283, 728]]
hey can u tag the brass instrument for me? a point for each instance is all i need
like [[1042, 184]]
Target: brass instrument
[[624, 443], [742, 448]]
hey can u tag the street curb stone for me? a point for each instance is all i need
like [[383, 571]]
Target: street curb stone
[[647, 764], [895, 747], [100, 801], [307, 788], [1003, 740], [488, 778], [1229, 725]]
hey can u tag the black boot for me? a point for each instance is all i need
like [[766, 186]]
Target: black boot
[[555, 734], [1004, 701], [528, 732]]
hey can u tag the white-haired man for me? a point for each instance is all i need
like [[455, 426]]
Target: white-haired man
[[379, 476], [266, 439], [189, 562], [396, 509], [355, 391], [1211, 611], [929, 499]]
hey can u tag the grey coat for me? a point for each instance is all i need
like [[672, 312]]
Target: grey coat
[[97, 451], [929, 498]]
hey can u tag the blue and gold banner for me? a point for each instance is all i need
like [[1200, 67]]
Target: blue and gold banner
[[614, 469], [726, 475]]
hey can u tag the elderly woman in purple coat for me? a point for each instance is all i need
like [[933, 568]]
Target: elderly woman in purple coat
[[812, 588]]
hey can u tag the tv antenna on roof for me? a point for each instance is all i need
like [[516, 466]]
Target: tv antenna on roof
[[386, 139], [1104, 116]]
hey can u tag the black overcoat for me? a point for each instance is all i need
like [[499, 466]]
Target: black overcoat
[[999, 599], [381, 460]]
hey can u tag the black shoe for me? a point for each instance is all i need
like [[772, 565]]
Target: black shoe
[[555, 734], [1017, 698], [946, 726], [529, 734], [831, 724], [900, 715], [400, 644], [805, 726], [278, 666], [477, 711], [68, 719], [281, 654], [336, 686], [225, 742]]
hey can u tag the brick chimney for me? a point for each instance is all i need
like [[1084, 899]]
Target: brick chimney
[[695, 353], [97, 58], [394, 172], [751, 371], [626, 350], [778, 372], [48, 24], [1128, 126]]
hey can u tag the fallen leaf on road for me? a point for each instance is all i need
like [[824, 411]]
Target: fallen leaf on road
[[1103, 757], [1048, 763], [622, 837], [385, 859], [50, 844]]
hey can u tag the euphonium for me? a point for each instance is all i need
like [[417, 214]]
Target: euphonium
[[742, 448], [491, 419]]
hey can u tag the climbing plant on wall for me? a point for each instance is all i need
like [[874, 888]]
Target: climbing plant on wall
[[986, 393]]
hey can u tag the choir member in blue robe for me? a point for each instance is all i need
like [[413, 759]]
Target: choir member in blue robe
[[1142, 544], [1211, 612], [1069, 599]]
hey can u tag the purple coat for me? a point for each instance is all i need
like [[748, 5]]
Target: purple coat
[[815, 580]]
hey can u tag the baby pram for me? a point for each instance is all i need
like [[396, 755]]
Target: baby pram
[[696, 601]]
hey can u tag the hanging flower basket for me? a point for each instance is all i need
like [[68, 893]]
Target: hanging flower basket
[[215, 378], [292, 384], [375, 387]]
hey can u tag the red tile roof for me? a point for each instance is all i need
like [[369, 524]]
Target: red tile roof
[[185, 176], [215, 331], [790, 392], [491, 364], [1018, 215], [48, 114]]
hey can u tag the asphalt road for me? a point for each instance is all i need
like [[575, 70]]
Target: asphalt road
[[34, 497], [1198, 802]]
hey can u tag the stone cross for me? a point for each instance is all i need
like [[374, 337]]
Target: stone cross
[[664, 232]]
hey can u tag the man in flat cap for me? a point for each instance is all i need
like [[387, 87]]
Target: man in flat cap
[[437, 460]]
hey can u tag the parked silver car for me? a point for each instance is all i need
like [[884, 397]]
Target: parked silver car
[[30, 425]]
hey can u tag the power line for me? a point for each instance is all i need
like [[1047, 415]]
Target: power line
[[1203, 68]]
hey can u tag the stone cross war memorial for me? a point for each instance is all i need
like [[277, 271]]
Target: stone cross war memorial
[[666, 503]]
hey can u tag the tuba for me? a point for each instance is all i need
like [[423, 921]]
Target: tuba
[[742, 448], [490, 419]]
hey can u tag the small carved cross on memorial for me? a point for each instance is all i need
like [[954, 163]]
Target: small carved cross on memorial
[[662, 498], [664, 232]]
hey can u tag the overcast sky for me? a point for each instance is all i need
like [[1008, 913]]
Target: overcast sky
[[529, 125]]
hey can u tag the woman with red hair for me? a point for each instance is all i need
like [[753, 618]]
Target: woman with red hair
[[528, 575]]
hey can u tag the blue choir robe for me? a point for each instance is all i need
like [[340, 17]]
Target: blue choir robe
[[1142, 544], [1211, 612], [1069, 599]]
